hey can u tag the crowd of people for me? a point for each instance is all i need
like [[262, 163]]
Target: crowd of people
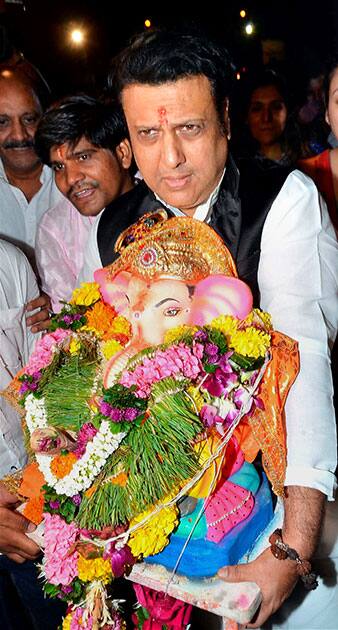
[[74, 177]]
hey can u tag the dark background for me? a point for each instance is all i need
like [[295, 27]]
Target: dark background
[[40, 29]]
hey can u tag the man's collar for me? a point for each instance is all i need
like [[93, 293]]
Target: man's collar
[[46, 173]]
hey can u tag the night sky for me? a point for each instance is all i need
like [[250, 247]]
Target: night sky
[[40, 30]]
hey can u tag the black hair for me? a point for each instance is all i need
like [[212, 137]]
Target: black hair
[[265, 78], [331, 67], [161, 56], [74, 117]]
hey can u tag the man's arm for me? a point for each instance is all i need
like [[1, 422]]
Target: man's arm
[[297, 277]]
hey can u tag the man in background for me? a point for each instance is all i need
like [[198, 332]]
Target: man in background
[[85, 143], [27, 189]]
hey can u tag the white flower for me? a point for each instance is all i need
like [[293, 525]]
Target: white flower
[[85, 469]]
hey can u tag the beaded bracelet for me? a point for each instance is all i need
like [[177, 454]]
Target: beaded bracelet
[[281, 551]]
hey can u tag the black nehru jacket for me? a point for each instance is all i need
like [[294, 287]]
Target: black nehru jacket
[[238, 215]]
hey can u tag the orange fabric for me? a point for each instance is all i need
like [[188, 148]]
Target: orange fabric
[[31, 487], [32, 481], [268, 425], [319, 169]]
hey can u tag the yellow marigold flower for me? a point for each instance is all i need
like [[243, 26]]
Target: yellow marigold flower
[[177, 332], [250, 342], [120, 328], [66, 622], [86, 294], [74, 346], [94, 569], [101, 318], [154, 535], [61, 465], [197, 397], [226, 324], [111, 347]]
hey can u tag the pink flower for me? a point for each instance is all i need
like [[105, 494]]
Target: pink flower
[[163, 609], [77, 621], [177, 359], [43, 352], [60, 568]]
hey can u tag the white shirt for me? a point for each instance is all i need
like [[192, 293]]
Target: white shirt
[[59, 248], [18, 217], [17, 286], [297, 277]]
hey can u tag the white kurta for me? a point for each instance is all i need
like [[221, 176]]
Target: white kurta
[[17, 286]]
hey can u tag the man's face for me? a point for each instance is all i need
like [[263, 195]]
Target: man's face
[[89, 176], [20, 111], [267, 115], [177, 139]]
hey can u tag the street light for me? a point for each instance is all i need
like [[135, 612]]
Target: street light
[[249, 28], [77, 36]]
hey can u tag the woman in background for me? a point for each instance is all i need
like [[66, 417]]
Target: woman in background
[[323, 168]]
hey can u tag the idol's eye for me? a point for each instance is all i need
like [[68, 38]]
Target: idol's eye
[[172, 311]]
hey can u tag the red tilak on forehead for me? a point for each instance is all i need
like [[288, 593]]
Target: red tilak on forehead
[[162, 113]]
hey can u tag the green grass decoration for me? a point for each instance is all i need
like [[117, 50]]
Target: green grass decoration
[[67, 395], [156, 456]]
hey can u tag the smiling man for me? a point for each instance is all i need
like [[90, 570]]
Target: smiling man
[[85, 142], [27, 189]]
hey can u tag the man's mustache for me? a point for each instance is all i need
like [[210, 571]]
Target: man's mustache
[[18, 144]]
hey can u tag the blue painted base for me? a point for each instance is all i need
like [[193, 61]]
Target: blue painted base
[[203, 558]]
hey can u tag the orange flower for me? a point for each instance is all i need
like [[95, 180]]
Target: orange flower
[[61, 465], [33, 510], [119, 480], [101, 317]]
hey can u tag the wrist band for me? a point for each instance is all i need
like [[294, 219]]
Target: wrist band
[[282, 551]]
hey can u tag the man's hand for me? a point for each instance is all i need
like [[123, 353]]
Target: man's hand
[[40, 320], [13, 526], [304, 508], [275, 578]]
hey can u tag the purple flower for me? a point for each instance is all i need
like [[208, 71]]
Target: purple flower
[[224, 362], [24, 388], [105, 408], [76, 499], [77, 317], [201, 335], [116, 415], [211, 349], [219, 383], [208, 415], [67, 589], [68, 319], [37, 375], [130, 413], [120, 559], [54, 505]]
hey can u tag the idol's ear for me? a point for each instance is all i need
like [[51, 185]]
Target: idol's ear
[[220, 295], [124, 153], [113, 290]]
